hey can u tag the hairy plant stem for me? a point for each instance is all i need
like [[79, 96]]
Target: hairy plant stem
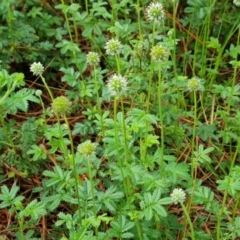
[[73, 161], [117, 148], [193, 166], [160, 112], [98, 102], [21, 227], [186, 213], [86, 6], [193, 161], [92, 190], [70, 33], [138, 9], [63, 148]]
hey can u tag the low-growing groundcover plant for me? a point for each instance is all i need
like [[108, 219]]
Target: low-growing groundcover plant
[[119, 119]]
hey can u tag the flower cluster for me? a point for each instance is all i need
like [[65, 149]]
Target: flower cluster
[[178, 195], [117, 85], [113, 47], [194, 84], [37, 68], [61, 105], [155, 12], [159, 53], [93, 58], [236, 2], [87, 148]]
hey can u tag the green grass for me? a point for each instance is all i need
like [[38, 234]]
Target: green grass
[[129, 128]]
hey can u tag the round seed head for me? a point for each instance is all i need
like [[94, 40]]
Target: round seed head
[[61, 105], [93, 58], [159, 53], [113, 47], [117, 85], [87, 148], [194, 84], [155, 12], [178, 195], [38, 93], [237, 3], [37, 68]]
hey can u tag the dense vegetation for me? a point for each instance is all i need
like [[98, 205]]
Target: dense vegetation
[[119, 119]]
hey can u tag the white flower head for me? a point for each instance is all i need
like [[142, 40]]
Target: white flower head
[[93, 58], [37, 68], [159, 53], [178, 195], [117, 85], [194, 84], [113, 47], [155, 12], [236, 2], [87, 148]]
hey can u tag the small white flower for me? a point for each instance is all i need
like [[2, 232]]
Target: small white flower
[[113, 47], [237, 3], [93, 58], [117, 85], [37, 68], [178, 195], [155, 12]]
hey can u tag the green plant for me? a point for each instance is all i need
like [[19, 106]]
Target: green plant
[[126, 126]]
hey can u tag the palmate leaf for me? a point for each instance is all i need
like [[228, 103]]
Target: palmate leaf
[[230, 184], [19, 100], [120, 228], [34, 210], [110, 198], [151, 205], [8, 197], [178, 170]]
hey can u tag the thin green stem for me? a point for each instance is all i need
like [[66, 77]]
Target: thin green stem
[[194, 132], [138, 9], [72, 159], [118, 64], [161, 118], [92, 190], [117, 148], [219, 233], [126, 151], [58, 119], [21, 227], [139, 229], [189, 221], [86, 6], [98, 101]]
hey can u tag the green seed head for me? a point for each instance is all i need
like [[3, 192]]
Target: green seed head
[[194, 84], [93, 58], [159, 53], [113, 47], [38, 93], [87, 148], [61, 105]]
